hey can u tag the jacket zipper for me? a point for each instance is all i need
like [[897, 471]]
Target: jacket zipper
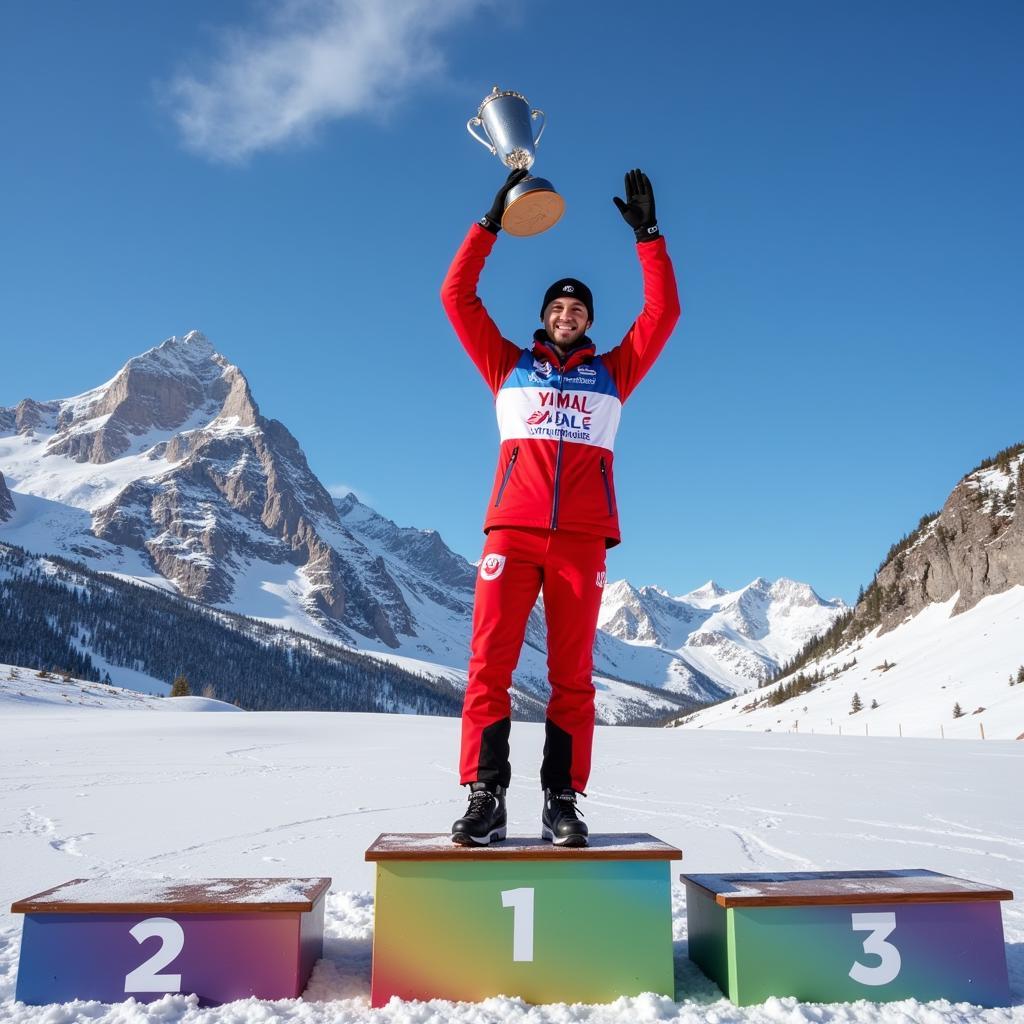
[[508, 473], [607, 486], [558, 465]]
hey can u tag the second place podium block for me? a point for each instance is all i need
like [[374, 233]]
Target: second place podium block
[[521, 918]]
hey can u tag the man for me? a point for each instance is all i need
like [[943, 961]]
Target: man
[[552, 511]]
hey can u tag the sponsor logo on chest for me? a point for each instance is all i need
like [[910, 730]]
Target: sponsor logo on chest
[[565, 409]]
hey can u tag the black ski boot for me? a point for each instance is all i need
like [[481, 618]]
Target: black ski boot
[[559, 822], [484, 820]]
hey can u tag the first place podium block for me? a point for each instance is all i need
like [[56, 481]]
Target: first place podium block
[[220, 938], [521, 918], [837, 936]]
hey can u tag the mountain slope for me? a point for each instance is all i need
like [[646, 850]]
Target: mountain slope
[[941, 626], [62, 617]]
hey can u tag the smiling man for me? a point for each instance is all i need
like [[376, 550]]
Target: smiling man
[[552, 512]]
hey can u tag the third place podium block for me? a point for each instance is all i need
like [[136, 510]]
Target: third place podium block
[[834, 936], [521, 918]]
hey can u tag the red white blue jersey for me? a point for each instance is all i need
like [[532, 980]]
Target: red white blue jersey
[[539, 399], [557, 421]]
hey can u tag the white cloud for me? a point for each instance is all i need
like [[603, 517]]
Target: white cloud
[[308, 62]]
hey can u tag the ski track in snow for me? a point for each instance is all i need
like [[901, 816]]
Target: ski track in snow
[[183, 794]]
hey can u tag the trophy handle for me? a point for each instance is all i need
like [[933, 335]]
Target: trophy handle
[[483, 142], [543, 124]]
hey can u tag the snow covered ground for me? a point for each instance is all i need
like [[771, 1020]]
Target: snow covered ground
[[123, 792], [24, 689]]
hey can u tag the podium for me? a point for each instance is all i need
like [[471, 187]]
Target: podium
[[221, 938], [831, 936], [521, 918]]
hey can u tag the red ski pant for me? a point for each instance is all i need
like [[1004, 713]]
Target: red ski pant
[[517, 562]]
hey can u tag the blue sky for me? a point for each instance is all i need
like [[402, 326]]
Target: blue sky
[[839, 185]]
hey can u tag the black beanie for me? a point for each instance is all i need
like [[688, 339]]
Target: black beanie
[[569, 287]]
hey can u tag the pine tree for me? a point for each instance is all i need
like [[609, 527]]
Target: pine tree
[[958, 712], [856, 704], [874, 704], [180, 687], [1020, 674]]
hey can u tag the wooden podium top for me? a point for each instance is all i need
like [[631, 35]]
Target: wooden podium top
[[818, 888], [184, 896], [439, 846]]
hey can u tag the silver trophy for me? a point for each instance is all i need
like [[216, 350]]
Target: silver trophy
[[505, 116]]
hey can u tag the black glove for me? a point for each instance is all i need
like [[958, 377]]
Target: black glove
[[491, 220], [638, 209]]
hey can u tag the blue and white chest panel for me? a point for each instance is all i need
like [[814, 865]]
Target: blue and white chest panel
[[538, 400]]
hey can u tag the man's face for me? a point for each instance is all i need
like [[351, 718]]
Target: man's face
[[565, 320]]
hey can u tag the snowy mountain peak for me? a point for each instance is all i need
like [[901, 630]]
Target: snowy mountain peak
[[193, 347], [620, 590], [177, 386], [793, 594], [191, 355], [709, 590], [735, 638]]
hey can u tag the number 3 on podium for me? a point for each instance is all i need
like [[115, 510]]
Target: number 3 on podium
[[880, 926]]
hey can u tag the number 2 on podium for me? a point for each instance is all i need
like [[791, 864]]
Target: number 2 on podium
[[146, 977], [521, 902]]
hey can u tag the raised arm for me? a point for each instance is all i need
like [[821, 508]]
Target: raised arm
[[629, 361], [493, 355]]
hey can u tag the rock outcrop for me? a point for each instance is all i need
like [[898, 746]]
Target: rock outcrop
[[6, 501], [972, 548]]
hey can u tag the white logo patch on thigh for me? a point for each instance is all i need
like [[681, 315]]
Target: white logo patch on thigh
[[602, 576], [491, 566]]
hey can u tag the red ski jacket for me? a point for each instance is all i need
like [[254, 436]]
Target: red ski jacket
[[558, 421]]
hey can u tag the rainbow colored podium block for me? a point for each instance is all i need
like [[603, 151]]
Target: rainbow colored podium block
[[220, 938], [521, 918], [835, 936]]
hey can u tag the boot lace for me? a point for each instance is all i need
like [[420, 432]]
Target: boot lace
[[567, 798], [480, 803]]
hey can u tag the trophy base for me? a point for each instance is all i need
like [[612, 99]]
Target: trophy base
[[532, 206]]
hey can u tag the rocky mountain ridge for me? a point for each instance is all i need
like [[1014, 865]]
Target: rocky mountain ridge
[[935, 638], [211, 486], [972, 548], [739, 638], [170, 473]]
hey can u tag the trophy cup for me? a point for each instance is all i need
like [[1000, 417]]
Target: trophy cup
[[533, 205]]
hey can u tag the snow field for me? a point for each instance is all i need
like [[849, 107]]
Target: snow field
[[96, 792], [23, 689]]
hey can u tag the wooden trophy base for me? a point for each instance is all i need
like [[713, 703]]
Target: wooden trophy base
[[533, 212]]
